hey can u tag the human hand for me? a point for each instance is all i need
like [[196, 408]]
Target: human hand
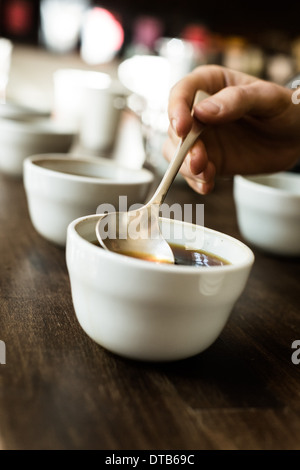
[[252, 126]]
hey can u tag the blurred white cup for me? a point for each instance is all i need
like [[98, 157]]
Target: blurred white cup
[[102, 107], [69, 86], [61, 22], [6, 47], [180, 54]]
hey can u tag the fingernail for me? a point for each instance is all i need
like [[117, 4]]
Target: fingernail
[[200, 180], [200, 187], [174, 124], [210, 106]]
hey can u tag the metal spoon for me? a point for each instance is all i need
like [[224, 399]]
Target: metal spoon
[[137, 233]]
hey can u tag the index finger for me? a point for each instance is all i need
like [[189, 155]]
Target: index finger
[[209, 78]]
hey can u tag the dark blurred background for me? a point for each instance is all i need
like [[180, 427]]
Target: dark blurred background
[[225, 31], [234, 17], [20, 18]]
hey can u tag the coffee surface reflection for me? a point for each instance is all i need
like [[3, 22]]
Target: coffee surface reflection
[[183, 256]]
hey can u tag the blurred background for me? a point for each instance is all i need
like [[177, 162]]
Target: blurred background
[[257, 37], [38, 37]]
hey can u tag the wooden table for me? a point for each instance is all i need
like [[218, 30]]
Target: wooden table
[[60, 390]]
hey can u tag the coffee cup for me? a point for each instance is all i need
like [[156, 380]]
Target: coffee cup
[[102, 106]]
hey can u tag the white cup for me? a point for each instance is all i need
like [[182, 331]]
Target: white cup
[[268, 211], [61, 22], [154, 311], [71, 98], [102, 106], [60, 189], [67, 95], [6, 48], [91, 102]]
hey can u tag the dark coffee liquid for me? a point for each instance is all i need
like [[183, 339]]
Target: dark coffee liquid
[[190, 257], [184, 257]]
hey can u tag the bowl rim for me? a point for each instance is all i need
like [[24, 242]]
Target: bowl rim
[[160, 267], [250, 181], [36, 124], [11, 109], [146, 176]]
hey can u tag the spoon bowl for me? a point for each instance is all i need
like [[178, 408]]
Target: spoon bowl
[[137, 233]]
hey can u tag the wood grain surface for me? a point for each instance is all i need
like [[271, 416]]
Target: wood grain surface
[[60, 390]]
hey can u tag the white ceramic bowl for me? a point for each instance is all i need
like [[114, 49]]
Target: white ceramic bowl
[[268, 211], [11, 110], [61, 188], [22, 135], [149, 311]]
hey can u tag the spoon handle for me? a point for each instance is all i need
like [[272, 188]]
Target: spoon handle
[[179, 156]]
